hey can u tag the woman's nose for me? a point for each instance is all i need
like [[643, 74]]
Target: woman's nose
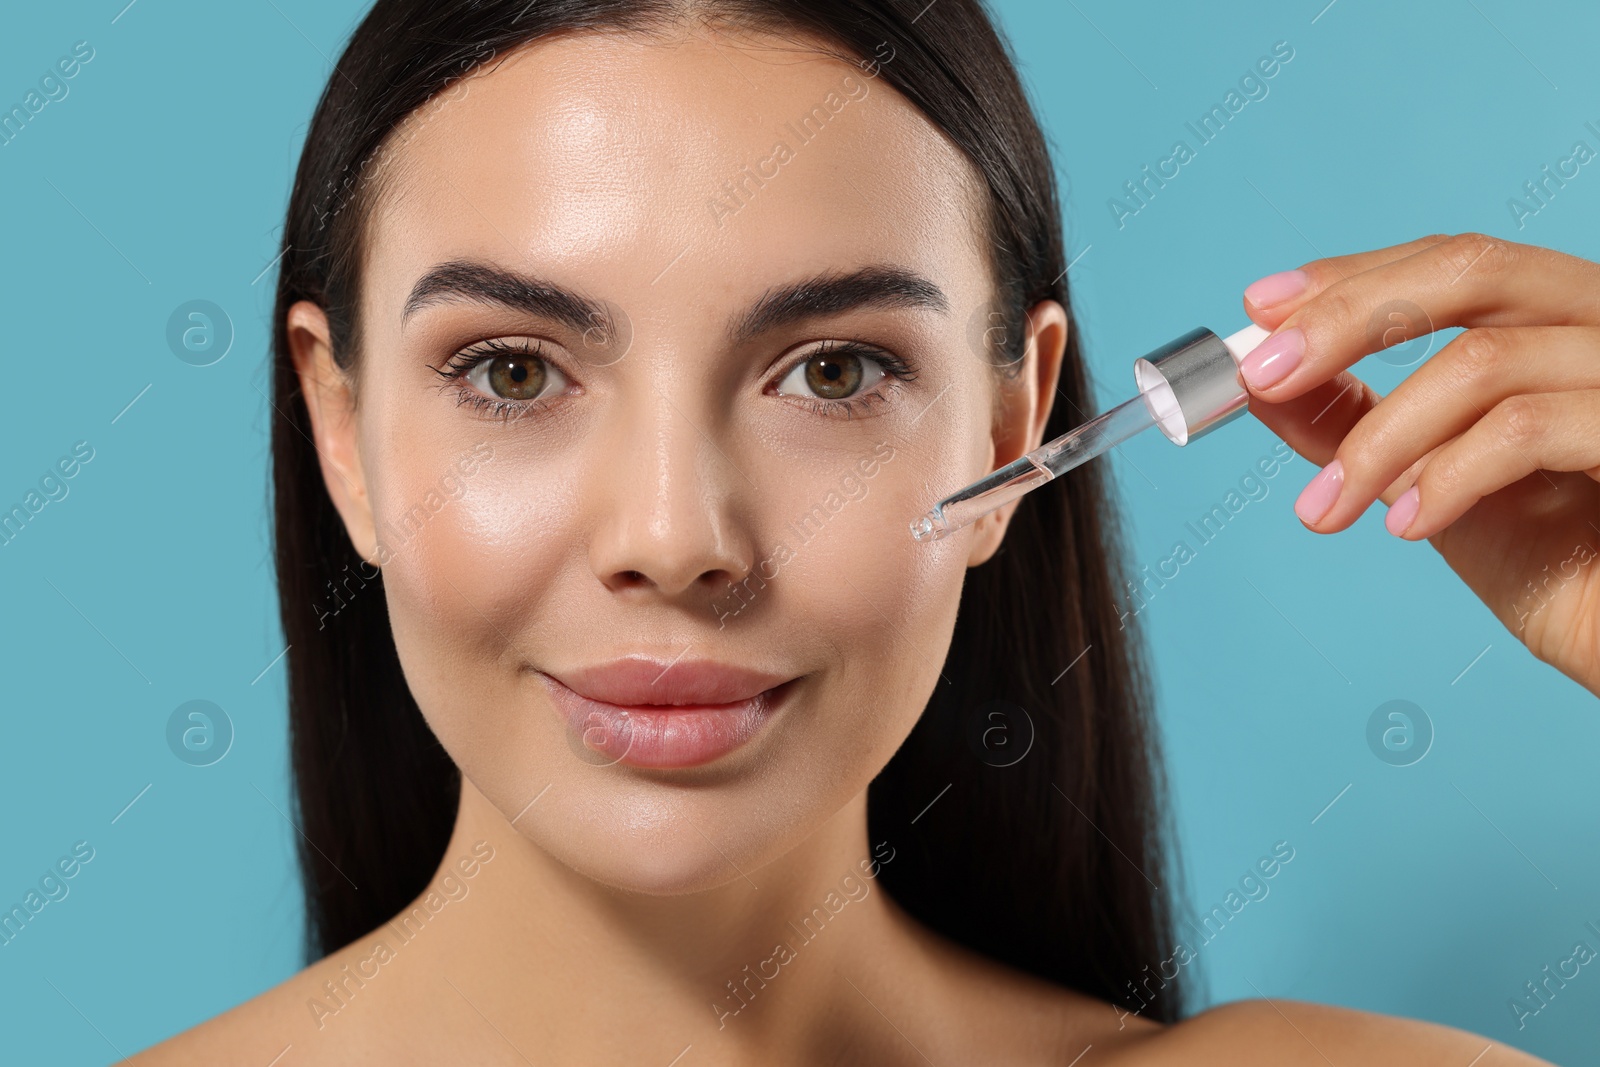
[[671, 507]]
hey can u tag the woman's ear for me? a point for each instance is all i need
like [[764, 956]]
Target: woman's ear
[[1026, 397], [330, 401]]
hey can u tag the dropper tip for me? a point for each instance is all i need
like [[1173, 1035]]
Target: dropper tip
[[931, 527]]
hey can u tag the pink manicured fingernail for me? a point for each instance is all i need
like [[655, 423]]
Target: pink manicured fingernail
[[1403, 512], [1276, 288], [1272, 360], [1320, 493]]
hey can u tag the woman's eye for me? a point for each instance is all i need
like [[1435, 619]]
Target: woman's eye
[[514, 377], [832, 376]]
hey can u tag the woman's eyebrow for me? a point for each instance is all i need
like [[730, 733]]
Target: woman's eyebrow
[[827, 293], [832, 293], [486, 283]]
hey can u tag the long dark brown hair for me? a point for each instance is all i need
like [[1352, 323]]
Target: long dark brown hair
[[1056, 863]]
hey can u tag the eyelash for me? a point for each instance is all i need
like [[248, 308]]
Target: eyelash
[[897, 370], [458, 366]]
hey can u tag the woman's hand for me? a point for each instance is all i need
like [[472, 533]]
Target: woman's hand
[[1490, 449]]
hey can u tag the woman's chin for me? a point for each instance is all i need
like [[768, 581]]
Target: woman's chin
[[667, 871]]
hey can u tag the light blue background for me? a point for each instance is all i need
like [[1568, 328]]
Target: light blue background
[[1433, 891]]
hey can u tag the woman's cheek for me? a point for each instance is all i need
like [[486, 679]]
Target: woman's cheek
[[850, 582], [475, 571]]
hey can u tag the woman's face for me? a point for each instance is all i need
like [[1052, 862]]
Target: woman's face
[[663, 346]]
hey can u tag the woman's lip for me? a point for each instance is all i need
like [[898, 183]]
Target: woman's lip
[[661, 735], [646, 682]]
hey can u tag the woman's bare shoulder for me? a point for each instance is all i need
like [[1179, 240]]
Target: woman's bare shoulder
[[259, 1030], [1289, 1033], [300, 1020], [1008, 1015]]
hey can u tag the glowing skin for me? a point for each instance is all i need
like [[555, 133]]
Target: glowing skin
[[614, 521], [622, 900]]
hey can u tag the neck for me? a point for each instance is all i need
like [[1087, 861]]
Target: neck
[[576, 962]]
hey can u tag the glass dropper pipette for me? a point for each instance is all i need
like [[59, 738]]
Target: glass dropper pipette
[[1188, 386]]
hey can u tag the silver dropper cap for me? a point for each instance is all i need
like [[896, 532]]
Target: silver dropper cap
[[1191, 384]]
